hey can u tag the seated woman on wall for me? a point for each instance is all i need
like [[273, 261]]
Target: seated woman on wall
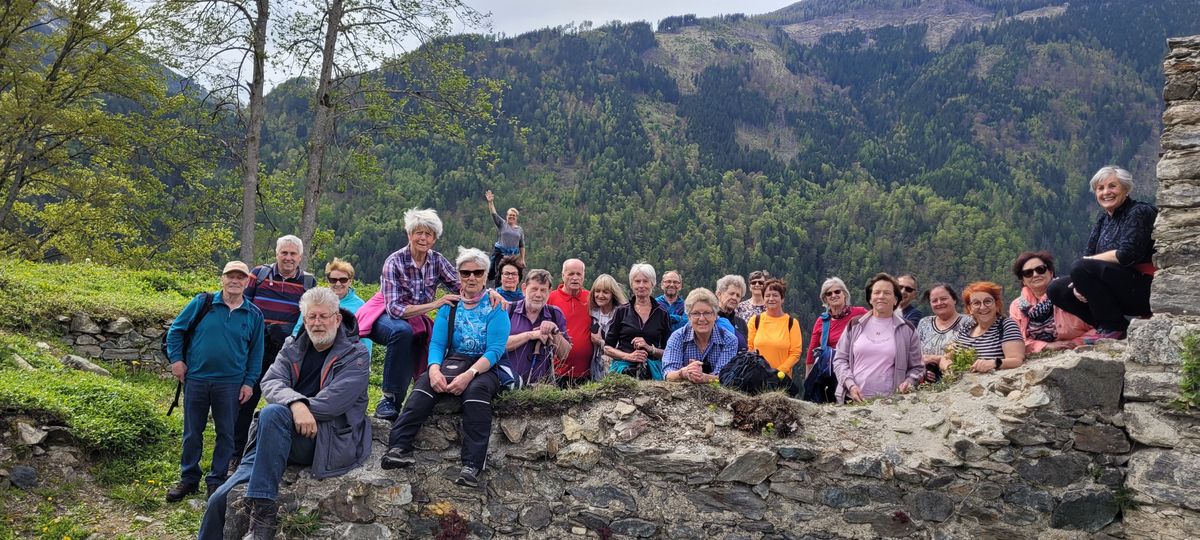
[[340, 276], [1112, 280], [512, 273], [1044, 326], [697, 352], [468, 340], [835, 297], [939, 330], [606, 294], [879, 354], [639, 331], [996, 339]]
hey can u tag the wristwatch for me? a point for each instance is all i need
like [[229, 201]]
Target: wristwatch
[[999, 363]]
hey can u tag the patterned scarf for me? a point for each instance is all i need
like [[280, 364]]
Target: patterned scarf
[[1041, 319]]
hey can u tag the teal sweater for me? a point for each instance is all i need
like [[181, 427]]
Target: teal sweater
[[227, 345]]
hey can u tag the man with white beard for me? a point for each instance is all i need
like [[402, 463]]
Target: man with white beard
[[316, 415]]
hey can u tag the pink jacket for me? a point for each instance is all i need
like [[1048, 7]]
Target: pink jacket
[[1066, 326], [908, 364]]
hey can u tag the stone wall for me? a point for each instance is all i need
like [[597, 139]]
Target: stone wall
[[1164, 469], [115, 340], [1031, 452]]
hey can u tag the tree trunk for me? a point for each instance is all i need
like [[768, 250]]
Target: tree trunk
[[250, 156], [322, 134]]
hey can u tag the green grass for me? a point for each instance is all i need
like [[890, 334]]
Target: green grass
[[1189, 382], [36, 293], [545, 395]]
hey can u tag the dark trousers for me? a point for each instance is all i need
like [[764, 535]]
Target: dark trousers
[[399, 360], [476, 416], [1113, 291], [241, 430], [199, 397]]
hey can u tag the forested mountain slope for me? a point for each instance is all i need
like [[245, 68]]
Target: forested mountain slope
[[827, 138]]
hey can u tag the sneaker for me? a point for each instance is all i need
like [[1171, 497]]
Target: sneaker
[[396, 458], [468, 476], [386, 409], [1100, 333], [181, 490]]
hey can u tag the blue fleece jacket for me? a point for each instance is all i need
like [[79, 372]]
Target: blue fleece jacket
[[227, 345]]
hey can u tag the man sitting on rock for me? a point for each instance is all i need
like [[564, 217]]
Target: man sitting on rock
[[534, 326], [316, 415]]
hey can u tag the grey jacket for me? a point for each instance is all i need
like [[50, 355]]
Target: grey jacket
[[908, 364], [340, 407]]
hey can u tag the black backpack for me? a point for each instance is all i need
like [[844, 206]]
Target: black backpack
[[205, 307], [749, 372]]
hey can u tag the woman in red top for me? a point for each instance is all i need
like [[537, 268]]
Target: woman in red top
[[836, 299]]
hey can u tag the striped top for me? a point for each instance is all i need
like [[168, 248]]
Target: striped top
[[276, 296], [990, 344]]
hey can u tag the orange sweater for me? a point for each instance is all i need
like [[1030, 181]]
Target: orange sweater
[[772, 339]]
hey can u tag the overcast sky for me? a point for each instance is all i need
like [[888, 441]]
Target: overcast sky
[[514, 17]]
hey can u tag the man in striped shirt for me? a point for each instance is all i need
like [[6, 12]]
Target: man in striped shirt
[[276, 290]]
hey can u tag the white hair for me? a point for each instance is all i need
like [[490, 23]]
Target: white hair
[[645, 270], [835, 283], [466, 255], [423, 219], [699, 295], [319, 296], [290, 239], [1122, 175], [731, 280]]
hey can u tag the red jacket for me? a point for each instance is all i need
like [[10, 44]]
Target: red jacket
[[579, 327]]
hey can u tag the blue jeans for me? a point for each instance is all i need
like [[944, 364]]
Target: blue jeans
[[263, 466], [200, 396], [398, 363]]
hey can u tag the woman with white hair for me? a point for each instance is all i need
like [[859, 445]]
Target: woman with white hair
[[469, 336], [1112, 280], [408, 284], [730, 290], [835, 297], [639, 330], [510, 240]]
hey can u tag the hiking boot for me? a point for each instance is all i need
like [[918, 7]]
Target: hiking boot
[[181, 490], [386, 409], [264, 519], [468, 476], [396, 458]]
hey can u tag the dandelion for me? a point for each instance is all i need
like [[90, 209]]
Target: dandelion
[[149, 481]]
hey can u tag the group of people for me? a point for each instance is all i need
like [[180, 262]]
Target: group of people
[[313, 341]]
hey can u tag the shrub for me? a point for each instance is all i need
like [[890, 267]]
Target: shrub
[[105, 415]]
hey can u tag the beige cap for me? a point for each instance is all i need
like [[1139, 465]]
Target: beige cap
[[236, 266]]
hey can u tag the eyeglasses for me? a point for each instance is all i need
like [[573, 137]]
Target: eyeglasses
[[756, 282], [472, 273], [983, 303], [702, 314], [319, 317], [510, 274], [834, 292], [1037, 270], [907, 289], [333, 280]]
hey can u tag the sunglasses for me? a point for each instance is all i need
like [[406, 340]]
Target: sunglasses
[[755, 282], [1037, 270], [472, 273], [834, 292], [338, 280], [907, 289]]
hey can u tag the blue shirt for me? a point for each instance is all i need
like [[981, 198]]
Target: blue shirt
[[478, 331], [681, 349], [351, 302], [675, 311], [226, 346]]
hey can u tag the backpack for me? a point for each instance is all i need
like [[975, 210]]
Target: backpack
[[749, 372], [205, 307], [821, 383], [791, 322], [262, 273]]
